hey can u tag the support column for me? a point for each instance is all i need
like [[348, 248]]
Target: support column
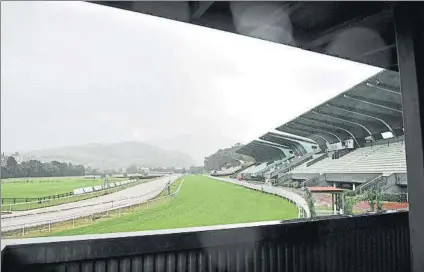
[[409, 25]]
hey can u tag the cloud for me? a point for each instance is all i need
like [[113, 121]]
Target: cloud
[[74, 73]]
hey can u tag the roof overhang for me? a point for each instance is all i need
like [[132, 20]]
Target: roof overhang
[[358, 31], [262, 151], [291, 142], [370, 108]]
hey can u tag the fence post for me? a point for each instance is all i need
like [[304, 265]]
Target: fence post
[[23, 230], [92, 218], [50, 227], [73, 221]]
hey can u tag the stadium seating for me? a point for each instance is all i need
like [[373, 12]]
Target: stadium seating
[[288, 165], [263, 168], [254, 168], [270, 167], [385, 159]]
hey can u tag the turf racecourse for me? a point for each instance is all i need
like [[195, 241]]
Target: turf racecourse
[[20, 191], [202, 201], [39, 187]]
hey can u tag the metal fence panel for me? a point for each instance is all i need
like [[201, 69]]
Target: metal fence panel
[[362, 243]]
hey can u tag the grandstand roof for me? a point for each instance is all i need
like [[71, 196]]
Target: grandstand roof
[[324, 27], [359, 31], [368, 109], [285, 140], [262, 151]]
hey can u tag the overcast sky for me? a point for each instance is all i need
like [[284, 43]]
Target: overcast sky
[[75, 73]]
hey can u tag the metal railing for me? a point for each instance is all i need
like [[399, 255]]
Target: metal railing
[[293, 164], [314, 181], [23, 200], [42, 225], [359, 243], [370, 184], [319, 158]]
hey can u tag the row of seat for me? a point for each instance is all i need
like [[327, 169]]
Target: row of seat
[[384, 159], [254, 168]]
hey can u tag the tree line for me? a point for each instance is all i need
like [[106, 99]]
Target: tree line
[[35, 168], [226, 158]]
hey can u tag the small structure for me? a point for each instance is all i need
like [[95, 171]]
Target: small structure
[[337, 200], [106, 182], [169, 186]]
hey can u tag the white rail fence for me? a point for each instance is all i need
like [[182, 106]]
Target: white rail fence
[[292, 197], [55, 201], [43, 225], [76, 205]]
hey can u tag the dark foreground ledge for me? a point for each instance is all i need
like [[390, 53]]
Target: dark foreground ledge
[[361, 243]]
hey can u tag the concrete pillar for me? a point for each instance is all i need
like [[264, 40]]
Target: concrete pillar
[[409, 21]]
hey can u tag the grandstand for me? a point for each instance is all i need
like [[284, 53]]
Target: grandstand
[[226, 171], [256, 171], [353, 141], [385, 159]]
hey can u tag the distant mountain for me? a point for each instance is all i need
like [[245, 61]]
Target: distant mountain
[[115, 155], [197, 146]]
